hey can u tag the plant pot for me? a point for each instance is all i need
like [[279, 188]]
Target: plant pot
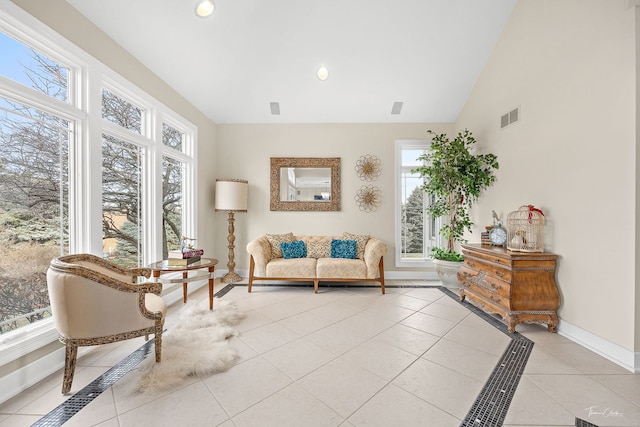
[[448, 272]]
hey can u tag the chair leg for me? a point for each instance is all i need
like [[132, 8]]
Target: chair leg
[[70, 356], [252, 266], [158, 343]]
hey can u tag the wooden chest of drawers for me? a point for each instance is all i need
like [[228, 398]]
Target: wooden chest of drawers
[[520, 287]]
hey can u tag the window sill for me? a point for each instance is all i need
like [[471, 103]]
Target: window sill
[[25, 340], [421, 263]]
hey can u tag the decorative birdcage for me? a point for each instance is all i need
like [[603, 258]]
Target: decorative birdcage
[[525, 229]]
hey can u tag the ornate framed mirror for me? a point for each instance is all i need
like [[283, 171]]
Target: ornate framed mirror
[[305, 183]]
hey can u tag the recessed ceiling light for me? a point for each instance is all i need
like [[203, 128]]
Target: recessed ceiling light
[[323, 73], [204, 8]]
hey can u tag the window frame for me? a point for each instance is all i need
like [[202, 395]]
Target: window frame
[[87, 77], [426, 262]]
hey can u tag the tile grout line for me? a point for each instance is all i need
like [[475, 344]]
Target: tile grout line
[[79, 400], [74, 404]]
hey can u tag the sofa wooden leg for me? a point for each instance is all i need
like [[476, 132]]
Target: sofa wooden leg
[[381, 271], [315, 286], [70, 356], [252, 266]]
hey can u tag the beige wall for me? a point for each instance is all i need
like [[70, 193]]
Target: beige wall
[[65, 20], [570, 65], [244, 152]]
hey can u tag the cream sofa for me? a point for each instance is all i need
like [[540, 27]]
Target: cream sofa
[[267, 261]]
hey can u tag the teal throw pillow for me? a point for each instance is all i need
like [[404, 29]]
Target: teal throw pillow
[[295, 249], [343, 249]]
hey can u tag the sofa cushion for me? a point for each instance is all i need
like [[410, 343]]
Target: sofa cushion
[[295, 249], [275, 240], [361, 242], [343, 249], [318, 248], [338, 268], [296, 268]]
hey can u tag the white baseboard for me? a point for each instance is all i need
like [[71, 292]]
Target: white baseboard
[[388, 275], [617, 354], [23, 378], [410, 275]]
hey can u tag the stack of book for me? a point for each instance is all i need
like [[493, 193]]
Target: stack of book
[[184, 257], [484, 236]]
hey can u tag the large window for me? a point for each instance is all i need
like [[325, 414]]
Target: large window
[[122, 191], [68, 171], [416, 232], [35, 143], [173, 187]]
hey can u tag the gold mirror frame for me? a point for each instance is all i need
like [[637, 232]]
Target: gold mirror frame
[[305, 162]]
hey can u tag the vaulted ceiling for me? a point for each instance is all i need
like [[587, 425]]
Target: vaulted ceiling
[[426, 54]]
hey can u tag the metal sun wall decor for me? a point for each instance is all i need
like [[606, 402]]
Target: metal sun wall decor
[[368, 167], [368, 198]]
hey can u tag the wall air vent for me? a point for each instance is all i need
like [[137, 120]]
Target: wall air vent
[[275, 108], [510, 118], [397, 107]]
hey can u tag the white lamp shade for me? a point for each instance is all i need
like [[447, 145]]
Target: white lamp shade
[[231, 195]]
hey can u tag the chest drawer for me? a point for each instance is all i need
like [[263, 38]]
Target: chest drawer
[[473, 279], [489, 258], [496, 270], [485, 291]]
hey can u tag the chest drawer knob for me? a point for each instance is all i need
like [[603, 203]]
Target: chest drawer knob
[[500, 273]]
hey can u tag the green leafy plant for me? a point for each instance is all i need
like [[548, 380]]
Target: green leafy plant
[[455, 177], [446, 255]]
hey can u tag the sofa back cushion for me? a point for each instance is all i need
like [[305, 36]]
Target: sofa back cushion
[[361, 242], [343, 249], [275, 240], [318, 246]]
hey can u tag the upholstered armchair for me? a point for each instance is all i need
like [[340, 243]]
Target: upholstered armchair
[[94, 301]]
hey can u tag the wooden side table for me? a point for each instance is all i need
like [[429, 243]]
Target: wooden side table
[[160, 267]]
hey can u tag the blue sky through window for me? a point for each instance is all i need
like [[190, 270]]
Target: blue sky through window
[[16, 61], [15, 57]]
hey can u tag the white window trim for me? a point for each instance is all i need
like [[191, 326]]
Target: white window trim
[[399, 146], [92, 75]]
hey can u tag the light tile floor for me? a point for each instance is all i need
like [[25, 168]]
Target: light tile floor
[[350, 357]]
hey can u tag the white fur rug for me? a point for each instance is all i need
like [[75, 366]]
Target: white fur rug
[[195, 344]]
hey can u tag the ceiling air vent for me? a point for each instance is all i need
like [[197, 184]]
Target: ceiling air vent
[[510, 118]]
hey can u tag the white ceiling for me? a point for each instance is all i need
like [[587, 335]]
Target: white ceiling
[[424, 53]]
